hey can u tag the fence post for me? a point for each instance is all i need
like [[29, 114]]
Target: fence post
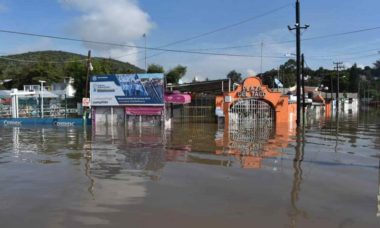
[[65, 106]]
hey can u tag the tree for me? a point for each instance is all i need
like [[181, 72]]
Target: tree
[[289, 72], [377, 64], [234, 76], [353, 78], [268, 78], [376, 69], [155, 68], [175, 74]]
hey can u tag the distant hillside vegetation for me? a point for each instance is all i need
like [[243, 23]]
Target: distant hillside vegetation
[[54, 66], [11, 61]]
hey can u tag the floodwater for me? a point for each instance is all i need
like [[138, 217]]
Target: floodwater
[[193, 175]]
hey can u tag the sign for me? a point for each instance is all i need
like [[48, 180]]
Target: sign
[[177, 98], [127, 89], [85, 102], [255, 92], [57, 122]]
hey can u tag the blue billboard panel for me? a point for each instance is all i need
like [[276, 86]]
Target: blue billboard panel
[[127, 89]]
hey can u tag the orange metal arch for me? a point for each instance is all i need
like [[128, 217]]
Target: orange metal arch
[[252, 87]]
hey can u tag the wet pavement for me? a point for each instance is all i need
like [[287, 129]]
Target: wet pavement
[[193, 175]]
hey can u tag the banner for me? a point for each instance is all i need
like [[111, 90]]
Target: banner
[[127, 89], [278, 83]]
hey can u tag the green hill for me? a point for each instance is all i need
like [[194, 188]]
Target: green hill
[[60, 58], [54, 66]]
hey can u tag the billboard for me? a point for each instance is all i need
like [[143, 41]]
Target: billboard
[[127, 89]]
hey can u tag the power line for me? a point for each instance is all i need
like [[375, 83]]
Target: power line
[[346, 54], [331, 58], [69, 39], [342, 33], [229, 26], [37, 61], [216, 30], [291, 41], [283, 42], [131, 46], [187, 51]]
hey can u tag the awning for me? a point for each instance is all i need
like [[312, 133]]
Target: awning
[[144, 111], [5, 100], [177, 98]]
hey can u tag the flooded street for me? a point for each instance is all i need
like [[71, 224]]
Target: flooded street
[[193, 175]]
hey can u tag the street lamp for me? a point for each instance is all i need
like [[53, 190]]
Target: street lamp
[[290, 55], [42, 97], [146, 69], [5, 81]]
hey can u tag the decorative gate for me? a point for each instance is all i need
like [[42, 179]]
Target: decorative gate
[[251, 115]]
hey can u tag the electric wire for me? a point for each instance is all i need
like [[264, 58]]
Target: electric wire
[[132, 46], [216, 30], [229, 26], [291, 41], [184, 51], [37, 61]]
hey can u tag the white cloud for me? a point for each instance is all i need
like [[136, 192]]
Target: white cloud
[[125, 54], [116, 21]]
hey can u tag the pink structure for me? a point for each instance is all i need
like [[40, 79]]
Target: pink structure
[[177, 98]]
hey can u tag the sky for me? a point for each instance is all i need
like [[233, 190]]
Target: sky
[[167, 21]]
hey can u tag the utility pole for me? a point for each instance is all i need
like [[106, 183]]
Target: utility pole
[[303, 86], [298, 28], [338, 67], [331, 88], [261, 64], [86, 93]]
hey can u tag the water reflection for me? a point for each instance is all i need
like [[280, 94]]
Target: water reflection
[[295, 193], [16, 141], [118, 163], [88, 174], [252, 147], [378, 196]]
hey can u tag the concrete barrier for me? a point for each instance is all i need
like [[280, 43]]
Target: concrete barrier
[[57, 122]]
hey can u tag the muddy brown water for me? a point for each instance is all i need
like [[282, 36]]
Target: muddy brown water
[[193, 175]]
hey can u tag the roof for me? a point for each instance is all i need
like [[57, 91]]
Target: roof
[[46, 94], [311, 89], [212, 86]]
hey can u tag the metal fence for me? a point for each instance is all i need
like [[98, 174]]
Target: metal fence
[[251, 114], [51, 108], [201, 109]]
